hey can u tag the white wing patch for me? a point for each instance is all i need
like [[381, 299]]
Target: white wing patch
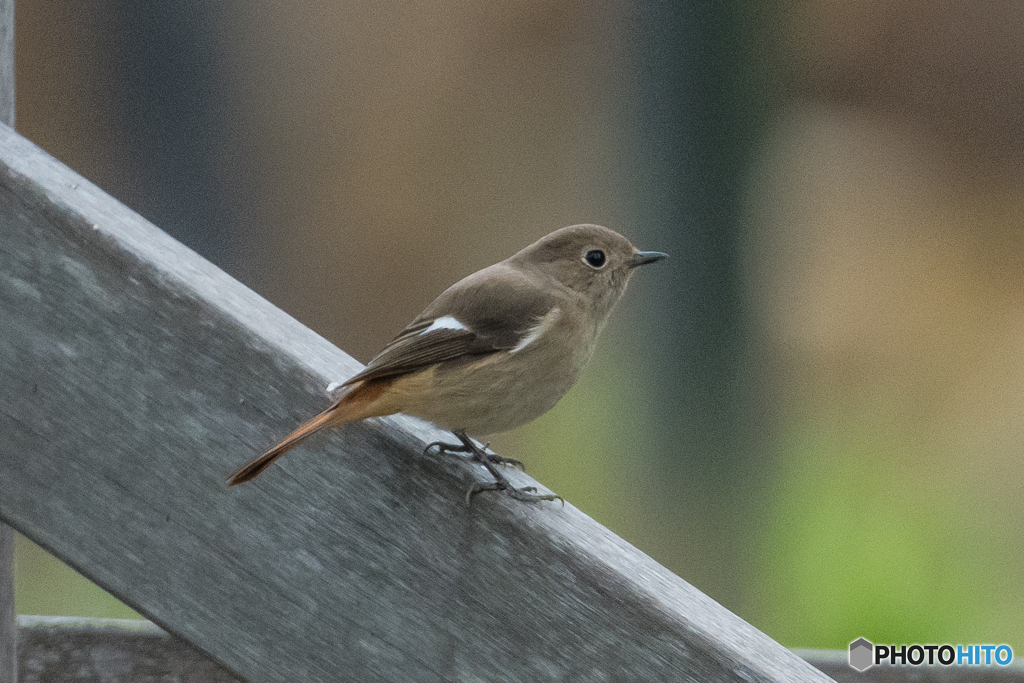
[[537, 330], [445, 322]]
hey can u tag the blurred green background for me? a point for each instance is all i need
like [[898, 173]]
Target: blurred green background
[[812, 412]]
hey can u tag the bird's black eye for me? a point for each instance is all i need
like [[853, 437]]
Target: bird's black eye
[[595, 258]]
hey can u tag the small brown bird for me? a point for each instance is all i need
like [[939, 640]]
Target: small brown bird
[[494, 351]]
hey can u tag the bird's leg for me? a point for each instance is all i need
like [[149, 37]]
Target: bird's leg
[[527, 494], [468, 446]]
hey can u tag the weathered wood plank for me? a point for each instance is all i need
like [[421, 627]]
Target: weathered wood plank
[[134, 376], [7, 62], [8, 628], [58, 649]]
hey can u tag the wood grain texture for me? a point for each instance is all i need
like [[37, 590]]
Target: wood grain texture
[[7, 62], [134, 376], [59, 649]]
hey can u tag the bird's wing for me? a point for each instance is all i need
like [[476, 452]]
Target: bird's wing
[[490, 311]]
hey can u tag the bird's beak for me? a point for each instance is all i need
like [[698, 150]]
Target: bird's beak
[[642, 258]]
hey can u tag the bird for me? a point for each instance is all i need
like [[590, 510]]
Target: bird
[[494, 351]]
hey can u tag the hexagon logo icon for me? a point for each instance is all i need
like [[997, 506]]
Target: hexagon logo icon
[[862, 654]]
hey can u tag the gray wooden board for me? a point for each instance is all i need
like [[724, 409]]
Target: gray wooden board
[[58, 649], [7, 62], [134, 376]]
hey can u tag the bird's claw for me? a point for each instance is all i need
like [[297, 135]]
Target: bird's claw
[[493, 458], [443, 448], [507, 462], [527, 494]]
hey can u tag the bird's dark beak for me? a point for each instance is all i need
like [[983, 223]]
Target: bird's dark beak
[[642, 258]]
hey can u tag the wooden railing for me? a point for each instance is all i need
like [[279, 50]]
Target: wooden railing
[[134, 375]]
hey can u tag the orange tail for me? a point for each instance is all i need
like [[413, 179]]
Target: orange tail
[[352, 406]]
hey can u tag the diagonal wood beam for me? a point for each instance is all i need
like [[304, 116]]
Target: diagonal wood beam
[[134, 376]]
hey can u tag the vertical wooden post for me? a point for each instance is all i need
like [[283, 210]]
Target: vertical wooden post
[[8, 625], [7, 62]]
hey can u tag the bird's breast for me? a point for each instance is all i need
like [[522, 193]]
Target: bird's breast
[[502, 390]]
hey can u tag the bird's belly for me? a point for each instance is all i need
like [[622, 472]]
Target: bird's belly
[[489, 395]]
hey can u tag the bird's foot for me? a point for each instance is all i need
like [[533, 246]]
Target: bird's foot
[[446, 448], [527, 494], [478, 454], [496, 459]]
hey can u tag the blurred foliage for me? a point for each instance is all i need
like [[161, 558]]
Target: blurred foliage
[[857, 542], [45, 585]]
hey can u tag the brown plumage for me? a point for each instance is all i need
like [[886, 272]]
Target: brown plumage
[[358, 403], [496, 349]]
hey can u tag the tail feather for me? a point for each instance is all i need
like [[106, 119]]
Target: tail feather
[[253, 468], [356, 404]]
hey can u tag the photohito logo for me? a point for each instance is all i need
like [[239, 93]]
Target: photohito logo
[[864, 655]]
